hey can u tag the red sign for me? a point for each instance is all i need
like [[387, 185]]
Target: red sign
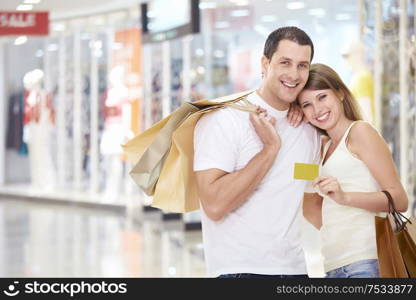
[[24, 23]]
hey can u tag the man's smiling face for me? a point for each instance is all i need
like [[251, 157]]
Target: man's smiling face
[[286, 73]]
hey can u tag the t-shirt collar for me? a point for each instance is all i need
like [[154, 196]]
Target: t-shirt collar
[[257, 100]]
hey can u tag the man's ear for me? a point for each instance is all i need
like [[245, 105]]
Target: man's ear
[[264, 65]]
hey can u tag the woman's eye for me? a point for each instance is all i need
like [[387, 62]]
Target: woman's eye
[[322, 97]]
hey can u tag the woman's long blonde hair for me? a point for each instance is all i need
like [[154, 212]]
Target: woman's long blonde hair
[[322, 77]]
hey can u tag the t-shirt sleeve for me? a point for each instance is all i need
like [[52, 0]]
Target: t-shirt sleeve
[[216, 138], [316, 159]]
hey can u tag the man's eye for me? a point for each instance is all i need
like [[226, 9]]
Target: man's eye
[[284, 62], [303, 66], [322, 97]]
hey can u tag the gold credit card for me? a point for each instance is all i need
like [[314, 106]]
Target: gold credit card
[[306, 171]]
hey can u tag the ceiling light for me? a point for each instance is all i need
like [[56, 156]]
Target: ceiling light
[[207, 5], [343, 17], [240, 13], [268, 19], [295, 5], [240, 2], [58, 26], [24, 7], [317, 12], [20, 40]]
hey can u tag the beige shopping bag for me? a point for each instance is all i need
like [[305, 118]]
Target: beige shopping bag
[[396, 247], [149, 150]]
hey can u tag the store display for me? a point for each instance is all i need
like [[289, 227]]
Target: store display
[[362, 83], [15, 123], [38, 128], [116, 130]]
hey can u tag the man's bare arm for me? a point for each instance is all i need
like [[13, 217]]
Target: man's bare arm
[[221, 192]]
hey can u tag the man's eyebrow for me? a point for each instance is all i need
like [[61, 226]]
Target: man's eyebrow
[[287, 58]]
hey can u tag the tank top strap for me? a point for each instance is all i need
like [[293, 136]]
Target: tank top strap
[[346, 133], [325, 149]]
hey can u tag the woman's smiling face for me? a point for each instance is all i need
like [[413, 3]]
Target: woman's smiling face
[[322, 108]]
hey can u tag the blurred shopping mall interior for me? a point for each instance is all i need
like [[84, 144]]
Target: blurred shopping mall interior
[[80, 78]]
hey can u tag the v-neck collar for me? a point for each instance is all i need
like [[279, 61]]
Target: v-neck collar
[[324, 158]]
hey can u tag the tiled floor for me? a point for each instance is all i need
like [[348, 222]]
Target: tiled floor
[[48, 240], [66, 239]]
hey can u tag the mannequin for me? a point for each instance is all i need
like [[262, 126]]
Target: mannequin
[[117, 130], [39, 118], [362, 84]]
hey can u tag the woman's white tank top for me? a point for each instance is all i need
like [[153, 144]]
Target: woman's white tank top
[[348, 233]]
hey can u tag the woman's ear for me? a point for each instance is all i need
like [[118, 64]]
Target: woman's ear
[[341, 95]]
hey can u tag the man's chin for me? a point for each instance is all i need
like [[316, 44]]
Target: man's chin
[[289, 100]]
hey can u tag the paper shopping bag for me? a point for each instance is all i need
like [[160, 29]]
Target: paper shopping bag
[[391, 264], [149, 150], [407, 245], [150, 153], [396, 247], [176, 190]]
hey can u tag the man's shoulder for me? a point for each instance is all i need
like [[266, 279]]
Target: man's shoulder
[[225, 116], [232, 97]]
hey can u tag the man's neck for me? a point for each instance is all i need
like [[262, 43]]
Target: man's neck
[[273, 101]]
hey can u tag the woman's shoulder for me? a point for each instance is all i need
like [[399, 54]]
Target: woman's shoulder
[[362, 129], [362, 135]]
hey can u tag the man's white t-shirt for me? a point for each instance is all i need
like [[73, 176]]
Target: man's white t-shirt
[[263, 235]]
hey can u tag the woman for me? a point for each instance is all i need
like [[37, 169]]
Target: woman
[[356, 166]]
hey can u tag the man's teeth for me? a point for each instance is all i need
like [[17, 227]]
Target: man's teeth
[[323, 117], [289, 85]]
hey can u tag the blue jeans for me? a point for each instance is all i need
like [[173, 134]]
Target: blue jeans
[[367, 268], [250, 275]]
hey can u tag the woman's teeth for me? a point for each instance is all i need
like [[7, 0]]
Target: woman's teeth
[[323, 117]]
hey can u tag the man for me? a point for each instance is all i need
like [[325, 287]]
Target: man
[[244, 170]]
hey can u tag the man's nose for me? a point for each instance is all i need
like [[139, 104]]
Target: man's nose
[[293, 73]]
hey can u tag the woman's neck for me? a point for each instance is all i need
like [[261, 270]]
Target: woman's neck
[[337, 132]]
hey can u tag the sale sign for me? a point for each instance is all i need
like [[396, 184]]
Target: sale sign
[[24, 23]]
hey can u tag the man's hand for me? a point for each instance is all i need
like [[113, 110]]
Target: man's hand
[[265, 129], [295, 115]]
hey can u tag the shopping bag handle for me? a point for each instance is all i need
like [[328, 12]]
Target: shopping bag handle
[[244, 105], [397, 216]]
